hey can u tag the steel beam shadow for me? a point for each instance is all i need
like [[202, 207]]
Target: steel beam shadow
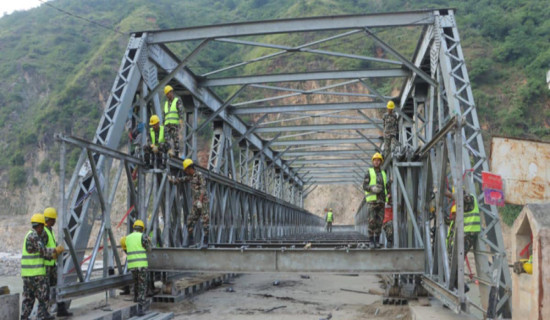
[[405, 261]]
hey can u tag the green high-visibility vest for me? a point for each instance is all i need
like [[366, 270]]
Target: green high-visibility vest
[[472, 221], [51, 244], [32, 264], [171, 116], [329, 216], [137, 256], [154, 136], [370, 197]]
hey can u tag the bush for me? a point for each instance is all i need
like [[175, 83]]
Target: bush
[[17, 176], [44, 166], [509, 213]]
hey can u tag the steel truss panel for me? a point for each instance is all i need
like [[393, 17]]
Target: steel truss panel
[[163, 57], [249, 260], [397, 19], [323, 142]]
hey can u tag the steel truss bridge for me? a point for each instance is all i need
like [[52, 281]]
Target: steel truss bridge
[[274, 138]]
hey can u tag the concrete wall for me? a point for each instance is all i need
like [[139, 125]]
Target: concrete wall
[[531, 293]]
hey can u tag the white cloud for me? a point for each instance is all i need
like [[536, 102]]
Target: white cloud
[[8, 6]]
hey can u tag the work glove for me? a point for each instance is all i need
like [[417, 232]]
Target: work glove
[[155, 149], [376, 189], [171, 153], [199, 204], [59, 249]]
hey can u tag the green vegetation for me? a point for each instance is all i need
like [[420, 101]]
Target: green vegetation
[[57, 70], [509, 213]]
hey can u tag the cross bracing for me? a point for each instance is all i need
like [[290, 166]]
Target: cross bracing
[[283, 120]]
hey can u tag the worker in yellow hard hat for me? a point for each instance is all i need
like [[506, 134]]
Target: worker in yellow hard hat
[[377, 192], [173, 120], [156, 146], [137, 246], [33, 270], [391, 130], [48, 237], [201, 206]]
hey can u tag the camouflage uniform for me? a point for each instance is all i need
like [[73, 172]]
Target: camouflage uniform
[[390, 133], [200, 208], [388, 229], [139, 276], [172, 131], [376, 208], [36, 287]]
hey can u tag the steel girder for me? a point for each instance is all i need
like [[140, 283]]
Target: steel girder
[[291, 260], [309, 107]]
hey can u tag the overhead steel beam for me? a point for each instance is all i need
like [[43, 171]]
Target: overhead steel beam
[[397, 19], [324, 142], [319, 127], [404, 261], [307, 76], [324, 153], [328, 161], [309, 107], [164, 58]]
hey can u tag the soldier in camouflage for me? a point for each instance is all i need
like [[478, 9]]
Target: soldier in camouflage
[[48, 238], [199, 196], [377, 190], [136, 246], [390, 130], [173, 119], [33, 270]]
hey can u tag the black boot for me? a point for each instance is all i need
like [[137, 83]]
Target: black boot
[[377, 242], [62, 310], [371, 242], [204, 242]]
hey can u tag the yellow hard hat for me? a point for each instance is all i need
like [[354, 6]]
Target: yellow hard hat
[[168, 89], [390, 105], [123, 243], [377, 156], [38, 218], [154, 120], [453, 208], [50, 213], [528, 267], [187, 163], [139, 223]]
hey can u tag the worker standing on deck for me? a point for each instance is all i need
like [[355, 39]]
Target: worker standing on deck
[[472, 221], [137, 245], [33, 270], [173, 119], [48, 237], [156, 144], [390, 130], [329, 218], [376, 186]]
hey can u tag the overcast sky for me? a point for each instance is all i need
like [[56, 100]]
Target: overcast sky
[[8, 6]]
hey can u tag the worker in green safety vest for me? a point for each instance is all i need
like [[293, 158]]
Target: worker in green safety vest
[[48, 237], [137, 245], [33, 270], [155, 149], [377, 194], [173, 119], [329, 218], [472, 223]]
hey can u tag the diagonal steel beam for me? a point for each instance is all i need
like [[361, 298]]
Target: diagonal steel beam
[[308, 76], [401, 58]]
